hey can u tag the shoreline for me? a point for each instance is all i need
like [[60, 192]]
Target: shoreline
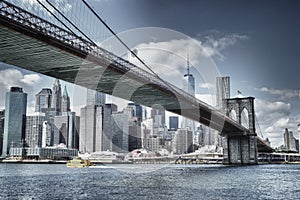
[[120, 163]]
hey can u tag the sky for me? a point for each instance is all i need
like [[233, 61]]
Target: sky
[[256, 43]]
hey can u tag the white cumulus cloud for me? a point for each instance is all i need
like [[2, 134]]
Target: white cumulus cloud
[[31, 79], [273, 118]]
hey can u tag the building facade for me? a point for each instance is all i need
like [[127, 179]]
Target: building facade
[[34, 130], [43, 100], [56, 97], [91, 123], [173, 123], [183, 141], [65, 102], [289, 140], [15, 119]]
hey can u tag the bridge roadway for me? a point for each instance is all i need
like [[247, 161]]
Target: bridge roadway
[[29, 42]]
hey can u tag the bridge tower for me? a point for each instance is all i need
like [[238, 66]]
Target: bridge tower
[[240, 149]]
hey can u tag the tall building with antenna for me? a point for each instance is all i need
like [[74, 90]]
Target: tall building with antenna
[[189, 80], [189, 87]]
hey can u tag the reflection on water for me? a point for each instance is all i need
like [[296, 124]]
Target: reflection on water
[[26, 181]]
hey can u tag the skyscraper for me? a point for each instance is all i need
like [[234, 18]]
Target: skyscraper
[[289, 140], [43, 100], [173, 123], [65, 103], [183, 141], [120, 129], [15, 119], [91, 123], [56, 97], [223, 91], [95, 98], [137, 110], [107, 121], [158, 114], [34, 128], [189, 87]]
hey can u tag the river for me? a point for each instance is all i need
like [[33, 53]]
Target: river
[[56, 181]]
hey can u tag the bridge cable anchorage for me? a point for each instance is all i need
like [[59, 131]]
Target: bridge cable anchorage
[[131, 51]]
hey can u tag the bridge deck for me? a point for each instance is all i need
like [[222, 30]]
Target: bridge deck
[[32, 45]]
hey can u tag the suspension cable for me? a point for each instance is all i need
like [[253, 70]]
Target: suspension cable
[[87, 37], [125, 45], [258, 126], [55, 17]]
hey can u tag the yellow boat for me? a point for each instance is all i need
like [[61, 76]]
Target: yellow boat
[[79, 163]]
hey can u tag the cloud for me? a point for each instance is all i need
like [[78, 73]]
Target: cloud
[[215, 42], [273, 118], [168, 59], [34, 6], [13, 77], [31, 79], [207, 98], [282, 94], [206, 85]]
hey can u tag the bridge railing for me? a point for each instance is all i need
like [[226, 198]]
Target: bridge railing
[[18, 16]]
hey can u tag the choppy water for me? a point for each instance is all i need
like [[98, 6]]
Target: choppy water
[[26, 181]]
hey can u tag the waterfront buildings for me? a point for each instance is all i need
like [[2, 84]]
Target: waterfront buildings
[[153, 143], [40, 153], [15, 119]]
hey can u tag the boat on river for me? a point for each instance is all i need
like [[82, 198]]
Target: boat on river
[[79, 163]]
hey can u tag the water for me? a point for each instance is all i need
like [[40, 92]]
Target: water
[[27, 181]]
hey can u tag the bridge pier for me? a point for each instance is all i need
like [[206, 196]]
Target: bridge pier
[[239, 150]]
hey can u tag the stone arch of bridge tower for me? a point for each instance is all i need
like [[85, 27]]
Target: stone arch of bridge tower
[[232, 114], [239, 105], [245, 121]]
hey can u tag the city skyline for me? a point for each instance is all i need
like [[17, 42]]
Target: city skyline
[[250, 50]]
